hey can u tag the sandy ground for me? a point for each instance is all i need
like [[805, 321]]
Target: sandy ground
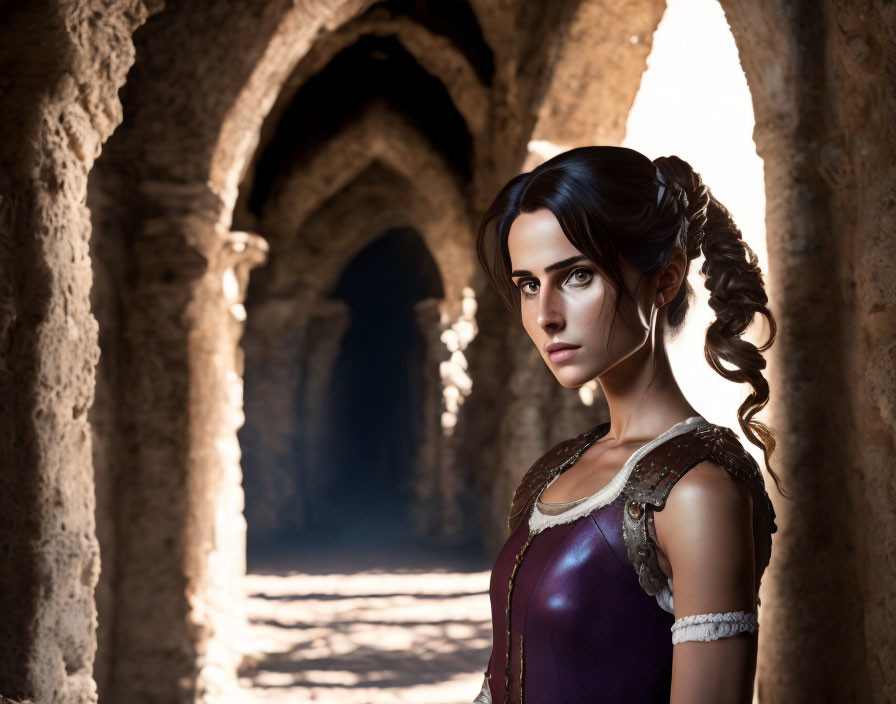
[[362, 626]]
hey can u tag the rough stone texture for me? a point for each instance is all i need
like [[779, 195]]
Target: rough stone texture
[[185, 181], [177, 486], [177, 272], [311, 218], [164, 196], [305, 267], [61, 65], [821, 80], [595, 73]]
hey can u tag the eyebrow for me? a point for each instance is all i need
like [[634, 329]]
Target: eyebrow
[[551, 267]]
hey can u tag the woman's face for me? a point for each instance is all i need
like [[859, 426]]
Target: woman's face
[[565, 299]]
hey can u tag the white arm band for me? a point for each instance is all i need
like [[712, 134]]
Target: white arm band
[[707, 627]]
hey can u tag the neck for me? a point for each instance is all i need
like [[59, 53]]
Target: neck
[[644, 398]]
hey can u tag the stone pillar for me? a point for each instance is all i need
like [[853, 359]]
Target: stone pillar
[[61, 65], [181, 533], [821, 79], [273, 342], [525, 427], [327, 324], [428, 455], [218, 400]]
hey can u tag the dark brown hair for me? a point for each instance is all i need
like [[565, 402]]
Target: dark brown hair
[[606, 201]]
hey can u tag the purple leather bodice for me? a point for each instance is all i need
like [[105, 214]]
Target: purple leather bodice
[[590, 632]]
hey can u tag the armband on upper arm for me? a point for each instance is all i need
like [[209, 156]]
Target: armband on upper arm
[[706, 627]]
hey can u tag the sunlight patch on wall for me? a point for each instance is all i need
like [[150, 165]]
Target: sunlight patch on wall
[[456, 383], [540, 150], [694, 102], [232, 293]]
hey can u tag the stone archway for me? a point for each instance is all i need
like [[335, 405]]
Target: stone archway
[[371, 436], [170, 270], [290, 318], [173, 194]]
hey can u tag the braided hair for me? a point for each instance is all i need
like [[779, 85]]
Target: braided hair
[[613, 204], [736, 295]]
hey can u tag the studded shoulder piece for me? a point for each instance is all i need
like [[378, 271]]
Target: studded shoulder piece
[[549, 465], [655, 474]]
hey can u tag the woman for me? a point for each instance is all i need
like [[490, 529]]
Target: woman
[[591, 249]]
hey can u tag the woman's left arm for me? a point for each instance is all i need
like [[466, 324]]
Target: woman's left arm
[[705, 531]]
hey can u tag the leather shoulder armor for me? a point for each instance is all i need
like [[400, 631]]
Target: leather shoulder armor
[[550, 464], [656, 473]]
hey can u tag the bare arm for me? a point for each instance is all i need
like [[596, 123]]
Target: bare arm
[[705, 531]]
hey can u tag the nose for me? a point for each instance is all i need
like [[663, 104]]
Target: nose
[[550, 316]]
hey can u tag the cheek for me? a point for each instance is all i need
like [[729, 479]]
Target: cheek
[[594, 313], [594, 305], [528, 317]]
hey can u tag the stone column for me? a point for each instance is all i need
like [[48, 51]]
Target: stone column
[[428, 456], [181, 533], [218, 400], [61, 65], [273, 342], [327, 324], [821, 79]]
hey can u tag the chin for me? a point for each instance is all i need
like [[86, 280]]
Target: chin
[[572, 378]]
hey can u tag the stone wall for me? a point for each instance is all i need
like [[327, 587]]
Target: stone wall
[[129, 459], [62, 64], [818, 75]]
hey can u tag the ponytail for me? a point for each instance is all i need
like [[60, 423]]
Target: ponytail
[[736, 294]]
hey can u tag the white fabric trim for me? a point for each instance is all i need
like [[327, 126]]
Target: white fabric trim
[[665, 597], [485, 694], [706, 627], [538, 521]]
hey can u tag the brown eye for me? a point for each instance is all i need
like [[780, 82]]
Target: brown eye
[[526, 282], [581, 270]]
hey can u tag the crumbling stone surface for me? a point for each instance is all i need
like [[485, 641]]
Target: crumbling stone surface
[[818, 77], [62, 64], [231, 155]]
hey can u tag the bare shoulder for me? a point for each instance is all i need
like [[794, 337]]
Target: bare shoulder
[[707, 488], [707, 521]]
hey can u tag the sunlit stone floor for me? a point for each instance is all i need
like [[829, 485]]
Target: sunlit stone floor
[[366, 625]]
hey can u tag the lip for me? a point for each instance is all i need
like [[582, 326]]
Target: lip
[[554, 346], [561, 351]]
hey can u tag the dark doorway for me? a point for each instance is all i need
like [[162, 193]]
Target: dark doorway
[[376, 402]]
